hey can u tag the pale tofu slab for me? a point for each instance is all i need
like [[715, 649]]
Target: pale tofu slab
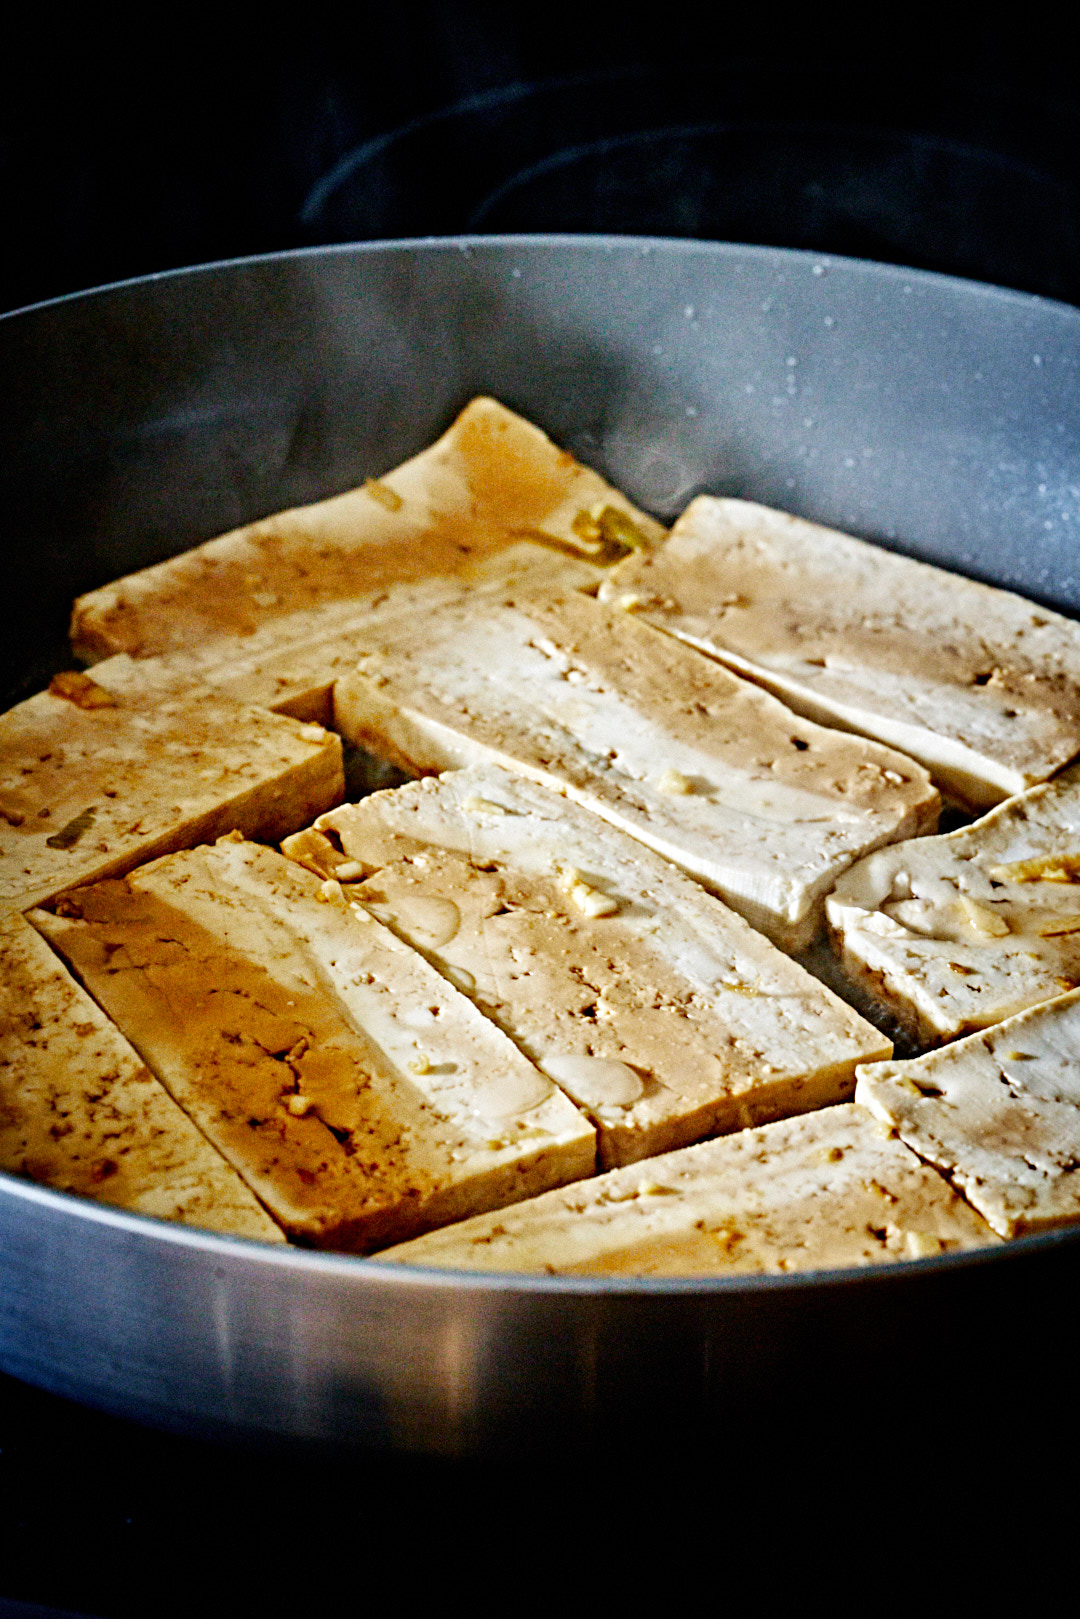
[[651, 1004], [708, 770], [126, 767], [249, 610], [955, 933], [80, 1112], [291, 668], [360, 1096], [978, 684], [998, 1113], [824, 1190]]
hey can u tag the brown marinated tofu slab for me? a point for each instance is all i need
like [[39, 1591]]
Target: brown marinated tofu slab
[[259, 611], [80, 1111], [101, 773], [662, 1013], [824, 1190], [713, 773], [361, 1097]]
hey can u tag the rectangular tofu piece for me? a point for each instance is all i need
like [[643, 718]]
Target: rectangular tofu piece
[[820, 1191], [360, 1096], [238, 610], [710, 771], [998, 1113], [291, 667], [955, 933], [98, 774], [979, 685], [80, 1112], [661, 1013]]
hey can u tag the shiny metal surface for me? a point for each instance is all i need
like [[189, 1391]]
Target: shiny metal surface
[[935, 415]]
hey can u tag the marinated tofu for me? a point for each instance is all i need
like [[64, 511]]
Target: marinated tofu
[[998, 1113], [361, 1097], [660, 1012], [294, 673], [261, 612], [979, 685], [824, 1190], [100, 773], [955, 933], [710, 771], [80, 1112]]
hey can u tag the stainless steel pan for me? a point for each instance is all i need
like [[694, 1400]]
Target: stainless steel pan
[[932, 414]]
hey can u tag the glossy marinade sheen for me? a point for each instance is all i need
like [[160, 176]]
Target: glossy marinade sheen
[[659, 1010], [360, 1095]]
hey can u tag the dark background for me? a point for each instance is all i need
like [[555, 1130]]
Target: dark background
[[946, 142], [123, 153]]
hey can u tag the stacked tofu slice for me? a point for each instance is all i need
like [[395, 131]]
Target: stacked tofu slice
[[552, 975], [657, 1009]]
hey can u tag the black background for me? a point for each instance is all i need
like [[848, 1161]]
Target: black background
[[928, 138], [127, 148]]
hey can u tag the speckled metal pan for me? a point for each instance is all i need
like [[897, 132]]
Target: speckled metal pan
[[930, 414]]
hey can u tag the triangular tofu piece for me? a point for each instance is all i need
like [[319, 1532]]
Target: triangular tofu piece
[[710, 771], [100, 773], [979, 685], [955, 933], [823, 1190], [80, 1112], [998, 1113], [657, 1009], [238, 610], [361, 1097]]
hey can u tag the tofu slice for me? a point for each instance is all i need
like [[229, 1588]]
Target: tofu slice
[[360, 1096], [239, 610], [816, 1192], [80, 1112], [711, 772], [98, 774], [661, 1013], [980, 686], [998, 1113], [290, 667], [955, 933]]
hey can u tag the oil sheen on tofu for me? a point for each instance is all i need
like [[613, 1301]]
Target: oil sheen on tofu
[[655, 1007], [762, 808], [360, 1095]]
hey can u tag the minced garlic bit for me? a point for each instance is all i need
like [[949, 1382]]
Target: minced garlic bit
[[298, 1105], [420, 1064], [674, 783], [590, 901], [1046, 868], [331, 889], [313, 732], [483, 806], [77, 688], [382, 492], [983, 920], [649, 1188], [349, 871], [1060, 924], [921, 1244]]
